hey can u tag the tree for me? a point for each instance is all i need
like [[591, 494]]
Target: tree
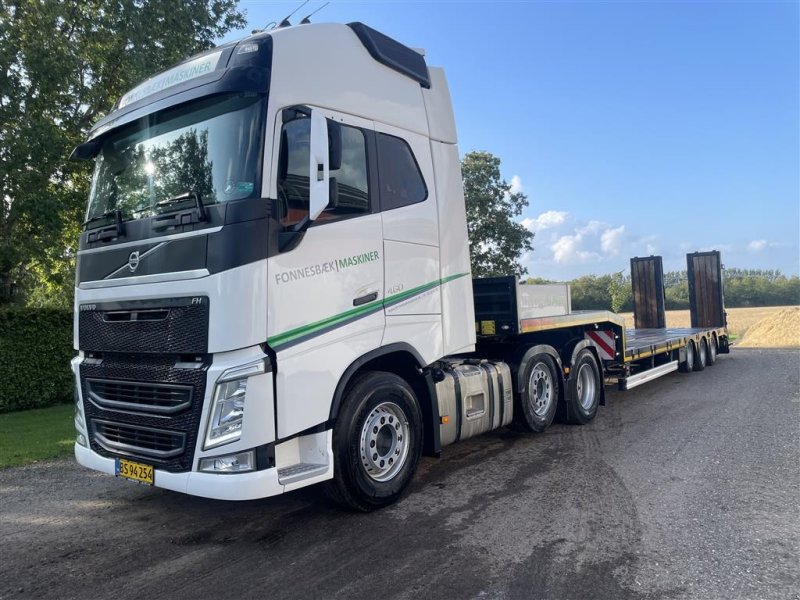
[[496, 240], [620, 291], [62, 66]]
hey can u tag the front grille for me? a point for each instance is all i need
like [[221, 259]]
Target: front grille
[[167, 326], [158, 398], [138, 441], [144, 430]]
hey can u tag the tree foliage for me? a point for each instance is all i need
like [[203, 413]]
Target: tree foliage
[[62, 66], [742, 288], [496, 240]]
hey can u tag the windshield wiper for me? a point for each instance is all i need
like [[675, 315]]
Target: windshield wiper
[[173, 216], [119, 227]]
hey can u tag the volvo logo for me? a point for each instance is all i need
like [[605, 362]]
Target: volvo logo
[[133, 261]]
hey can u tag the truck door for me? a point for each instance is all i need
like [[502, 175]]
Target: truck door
[[325, 290], [410, 240]]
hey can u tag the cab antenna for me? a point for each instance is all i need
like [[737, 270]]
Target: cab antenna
[[285, 22], [306, 20]]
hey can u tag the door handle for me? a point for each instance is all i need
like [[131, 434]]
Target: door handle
[[365, 299]]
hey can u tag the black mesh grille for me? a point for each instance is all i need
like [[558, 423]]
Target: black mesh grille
[[141, 396], [126, 368], [177, 325], [138, 441]]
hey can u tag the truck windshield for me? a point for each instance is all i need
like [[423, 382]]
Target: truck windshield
[[210, 147]]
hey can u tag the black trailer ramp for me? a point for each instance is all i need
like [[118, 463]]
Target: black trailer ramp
[[706, 300]]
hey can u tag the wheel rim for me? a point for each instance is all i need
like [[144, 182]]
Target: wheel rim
[[703, 350], [586, 386], [690, 356], [540, 389], [712, 348], [384, 441]]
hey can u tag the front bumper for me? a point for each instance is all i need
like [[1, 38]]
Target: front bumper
[[238, 486]]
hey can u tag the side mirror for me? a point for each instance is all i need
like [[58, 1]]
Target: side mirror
[[334, 145], [319, 166]]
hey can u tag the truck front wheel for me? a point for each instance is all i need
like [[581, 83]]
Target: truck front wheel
[[583, 388], [377, 442]]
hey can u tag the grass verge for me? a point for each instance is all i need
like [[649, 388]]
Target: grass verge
[[30, 435]]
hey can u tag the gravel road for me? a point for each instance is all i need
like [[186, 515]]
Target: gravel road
[[687, 487]]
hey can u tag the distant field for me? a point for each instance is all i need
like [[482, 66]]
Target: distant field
[[739, 319]]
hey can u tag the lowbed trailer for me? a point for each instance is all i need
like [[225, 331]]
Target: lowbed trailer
[[274, 288], [509, 329]]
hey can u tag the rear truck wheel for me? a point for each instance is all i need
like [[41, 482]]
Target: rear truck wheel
[[583, 388], [687, 366], [702, 356], [712, 351], [377, 442], [539, 401]]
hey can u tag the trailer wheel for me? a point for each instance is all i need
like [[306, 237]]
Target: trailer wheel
[[712, 351], [539, 401], [687, 366], [377, 442], [702, 356], [583, 389]]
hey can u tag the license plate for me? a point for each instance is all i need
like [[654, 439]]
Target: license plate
[[135, 471]]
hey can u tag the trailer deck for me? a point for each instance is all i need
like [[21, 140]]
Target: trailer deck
[[643, 343]]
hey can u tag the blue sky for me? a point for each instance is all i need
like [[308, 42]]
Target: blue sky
[[633, 127]]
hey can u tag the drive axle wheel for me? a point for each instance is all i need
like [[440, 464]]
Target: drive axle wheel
[[583, 388], [377, 442], [539, 400]]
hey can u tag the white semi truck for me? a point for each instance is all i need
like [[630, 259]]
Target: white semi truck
[[273, 285]]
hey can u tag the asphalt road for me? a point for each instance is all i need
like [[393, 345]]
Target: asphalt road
[[687, 487]]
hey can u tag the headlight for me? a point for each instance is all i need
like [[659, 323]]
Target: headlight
[[227, 410], [80, 420]]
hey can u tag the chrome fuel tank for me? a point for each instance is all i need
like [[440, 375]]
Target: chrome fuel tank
[[474, 397]]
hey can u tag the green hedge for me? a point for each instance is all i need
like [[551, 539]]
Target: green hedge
[[35, 350]]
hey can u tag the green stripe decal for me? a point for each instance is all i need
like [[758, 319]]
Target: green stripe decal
[[312, 329]]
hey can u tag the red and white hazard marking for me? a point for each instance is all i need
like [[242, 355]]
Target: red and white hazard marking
[[604, 342]]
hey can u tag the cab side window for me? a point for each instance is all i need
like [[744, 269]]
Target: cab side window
[[352, 181], [402, 183], [293, 160]]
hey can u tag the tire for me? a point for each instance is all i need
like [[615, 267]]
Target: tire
[[701, 360], [380, 412], [712, 351], [539, 402], [583, 389], [687, 366]]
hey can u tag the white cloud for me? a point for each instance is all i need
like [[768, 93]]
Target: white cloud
[[516, 184], [759, 245], [546, 220], [568, 249], [592, 242], [611, 240]]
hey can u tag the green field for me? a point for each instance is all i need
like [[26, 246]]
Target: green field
[[31, 435]]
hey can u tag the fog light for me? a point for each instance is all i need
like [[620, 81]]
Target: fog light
[[230, 463], [81, 439]]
